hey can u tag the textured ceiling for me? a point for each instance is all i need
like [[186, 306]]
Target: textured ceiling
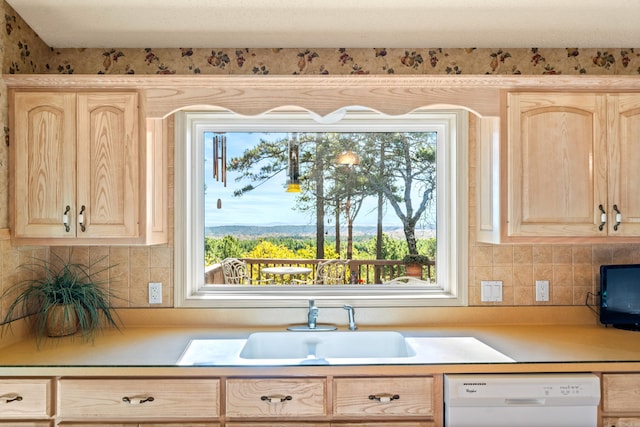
[[333, 23]]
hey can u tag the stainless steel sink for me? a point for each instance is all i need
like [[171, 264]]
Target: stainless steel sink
[[326, 345]]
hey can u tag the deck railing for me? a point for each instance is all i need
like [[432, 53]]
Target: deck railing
[[360, 271]]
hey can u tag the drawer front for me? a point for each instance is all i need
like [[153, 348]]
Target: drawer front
[[271, 397], [144, 399], [28, 398], [98, 424], [397, 396], [279, 424], [621, 422], [387, 424], [26, 424], [621, 392]]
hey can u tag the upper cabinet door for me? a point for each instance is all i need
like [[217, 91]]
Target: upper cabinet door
[[557, 164], [43, 158], [108, 164], [624, 164]]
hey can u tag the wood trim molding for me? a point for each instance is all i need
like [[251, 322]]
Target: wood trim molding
[[5, 234], [390, 94]]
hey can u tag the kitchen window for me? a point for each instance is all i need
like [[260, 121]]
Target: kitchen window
[[197, 131]]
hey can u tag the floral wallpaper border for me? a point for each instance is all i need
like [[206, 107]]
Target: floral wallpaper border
[[26, 53]]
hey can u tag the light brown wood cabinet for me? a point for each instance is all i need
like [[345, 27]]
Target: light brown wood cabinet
[[81, 168], [275, 397], [334, 401], [184, 424], [620, 405], [621, 422], [384, 397], [141, 399], [571, 164], [25, 399], [314, 401]]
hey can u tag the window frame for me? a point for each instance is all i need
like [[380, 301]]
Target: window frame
[[189, 288]]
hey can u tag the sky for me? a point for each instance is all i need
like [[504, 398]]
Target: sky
[[269, 204]]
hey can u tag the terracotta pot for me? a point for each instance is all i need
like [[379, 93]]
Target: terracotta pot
[[414, 270], [62, 321]]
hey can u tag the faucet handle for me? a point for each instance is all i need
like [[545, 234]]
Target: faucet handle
[[352, 317]]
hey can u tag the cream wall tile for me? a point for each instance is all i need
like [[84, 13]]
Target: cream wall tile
[[523, 254], [582, 254], [562, 275], [543, 254]]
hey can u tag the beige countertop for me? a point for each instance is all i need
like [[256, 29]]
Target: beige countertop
[[155, 350]]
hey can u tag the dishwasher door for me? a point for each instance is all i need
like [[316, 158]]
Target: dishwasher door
[[521, 400]]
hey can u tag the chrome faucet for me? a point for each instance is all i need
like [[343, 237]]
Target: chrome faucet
[[313, 314], [352, 317], [312, 318]]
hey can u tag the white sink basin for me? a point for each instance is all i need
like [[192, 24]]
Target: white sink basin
[[326, 345]]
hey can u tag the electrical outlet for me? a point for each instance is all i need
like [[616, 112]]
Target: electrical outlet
[[155, 293], [542, 290]]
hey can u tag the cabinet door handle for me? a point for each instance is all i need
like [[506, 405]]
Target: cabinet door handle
[[15, 398], [81, 218], [276, 398], [384, 397], [65, 218], [603, 217], [618, 217], [132, 400]]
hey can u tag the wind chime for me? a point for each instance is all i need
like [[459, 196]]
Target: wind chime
[[220, 162], [220, 158], [293, 183]]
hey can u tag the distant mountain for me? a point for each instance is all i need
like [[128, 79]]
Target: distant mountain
[[256, 231]]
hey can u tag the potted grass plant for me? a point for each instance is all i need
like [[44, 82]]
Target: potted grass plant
[[63, 298]]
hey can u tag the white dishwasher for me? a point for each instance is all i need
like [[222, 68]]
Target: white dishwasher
[[523, 400]]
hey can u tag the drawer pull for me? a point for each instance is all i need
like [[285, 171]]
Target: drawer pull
[[16, 398], [276, 398], [384, 397], [140, 402]]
